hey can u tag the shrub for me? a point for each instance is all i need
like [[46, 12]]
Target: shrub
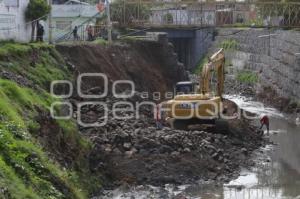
[[229, 44], [200, 65], [247, 77]]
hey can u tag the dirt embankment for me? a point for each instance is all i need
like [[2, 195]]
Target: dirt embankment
[[152, 66], [40, 157]]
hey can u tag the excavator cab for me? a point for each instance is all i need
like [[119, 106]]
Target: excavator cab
[[199, 104], [183, 88]]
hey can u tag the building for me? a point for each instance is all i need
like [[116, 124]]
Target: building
[[68, 2], [12, 21], [70, 14]]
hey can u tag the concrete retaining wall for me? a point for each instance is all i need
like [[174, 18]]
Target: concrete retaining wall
[[274, 58]]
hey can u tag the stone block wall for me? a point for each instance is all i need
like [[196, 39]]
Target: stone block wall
[[276, 58]]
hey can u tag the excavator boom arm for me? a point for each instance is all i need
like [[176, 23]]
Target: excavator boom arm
[[217, 63]]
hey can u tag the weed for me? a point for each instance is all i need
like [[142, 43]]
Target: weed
[[15, 49], [200, 65], [25, 168], [229, 44], [101, 42], [247, 77]]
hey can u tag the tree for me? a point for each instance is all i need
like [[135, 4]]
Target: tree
[[124, 12], [36, 10]]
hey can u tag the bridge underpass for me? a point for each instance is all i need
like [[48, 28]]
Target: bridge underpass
[[190, 44]]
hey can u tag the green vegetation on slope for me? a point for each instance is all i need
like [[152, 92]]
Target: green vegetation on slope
[[229, 44], [247, 77], [26, 169], [200, 65], [39, 63], [10, 48], [204, 61], [21, 157], [101, 42], [14, 100]]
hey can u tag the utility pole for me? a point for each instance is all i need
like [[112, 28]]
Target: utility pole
[[109, 25], [50, 23]]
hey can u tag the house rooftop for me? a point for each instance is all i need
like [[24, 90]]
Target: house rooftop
[[71, 10], [76, 2]]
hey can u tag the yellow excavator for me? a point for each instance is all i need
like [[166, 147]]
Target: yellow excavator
[[198, 103]]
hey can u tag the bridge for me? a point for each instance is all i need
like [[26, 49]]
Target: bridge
[[197, 13], [190, 23]]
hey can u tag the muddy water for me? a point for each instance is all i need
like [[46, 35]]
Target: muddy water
[[275, 176]]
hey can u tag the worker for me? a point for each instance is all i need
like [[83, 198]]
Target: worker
[[89, 30], [157, 116], [265, 122], [297, 121], [75, 33], [40, 32]]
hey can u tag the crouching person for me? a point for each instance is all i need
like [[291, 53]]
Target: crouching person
[[264, 121]]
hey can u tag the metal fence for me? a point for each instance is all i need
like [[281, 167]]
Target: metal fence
[[146, 13], [97, 31]]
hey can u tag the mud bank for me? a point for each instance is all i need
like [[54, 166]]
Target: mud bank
[[152, 66]]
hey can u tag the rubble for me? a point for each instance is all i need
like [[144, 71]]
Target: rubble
[[134, 151]]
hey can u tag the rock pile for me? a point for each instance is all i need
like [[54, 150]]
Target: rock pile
[[132, 150], [21, 80]]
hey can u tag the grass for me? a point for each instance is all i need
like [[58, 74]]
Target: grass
[[11, 48], [228, 63], [37, 62], [200, 65], [27, 166], [38, 177], [98, 41], [247, 77], [17, 107], [204, 61], [8, 48], [13, 184], [101, 42], [229, 44], [14, 101]]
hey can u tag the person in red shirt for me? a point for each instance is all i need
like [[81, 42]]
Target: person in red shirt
[[158, 118], [265, 122]]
